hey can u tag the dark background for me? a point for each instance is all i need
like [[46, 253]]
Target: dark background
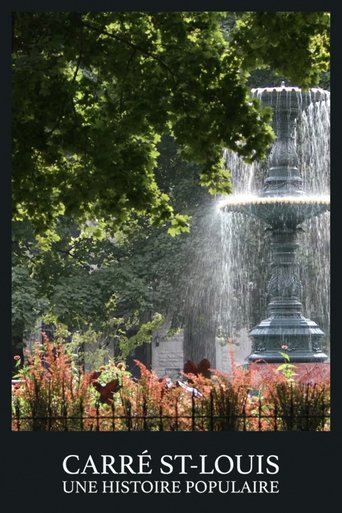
[[31, 463]]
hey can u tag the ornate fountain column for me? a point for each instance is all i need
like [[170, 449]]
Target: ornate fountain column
[[286, 327], [283, 177], [285, 207]]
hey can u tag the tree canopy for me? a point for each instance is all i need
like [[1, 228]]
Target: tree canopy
[[93, 93], [108, 289]]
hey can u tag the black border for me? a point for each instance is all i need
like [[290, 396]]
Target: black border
[[31, 471]]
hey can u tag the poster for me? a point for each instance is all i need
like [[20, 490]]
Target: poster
[[168, 471]]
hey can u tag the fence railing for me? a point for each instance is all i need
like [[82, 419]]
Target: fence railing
[[261, 417]]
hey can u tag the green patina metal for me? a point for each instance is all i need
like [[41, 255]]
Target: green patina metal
[[283, 205]]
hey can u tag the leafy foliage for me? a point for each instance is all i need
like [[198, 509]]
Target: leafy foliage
[[143, 336], [273, 39], [94, 92], [27, 303], [104, 288]]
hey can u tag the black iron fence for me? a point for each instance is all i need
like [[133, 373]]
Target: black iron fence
[[258, 417]]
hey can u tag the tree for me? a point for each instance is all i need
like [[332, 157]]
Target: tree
[[274, 38], [94, 92], [108, 289]]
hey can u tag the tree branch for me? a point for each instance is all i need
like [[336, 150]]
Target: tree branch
[[124, 79], [83, 264], [134, 46]]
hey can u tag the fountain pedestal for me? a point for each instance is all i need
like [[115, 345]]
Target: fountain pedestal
[[286, 329], [283, 205]]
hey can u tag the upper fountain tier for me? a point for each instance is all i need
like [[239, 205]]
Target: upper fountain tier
[[287, 104], [282, 200], [290, 99]]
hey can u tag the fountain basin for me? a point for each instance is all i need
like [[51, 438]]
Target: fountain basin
[[278, 211]]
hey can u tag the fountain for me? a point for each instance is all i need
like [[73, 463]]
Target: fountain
[[283, 206]]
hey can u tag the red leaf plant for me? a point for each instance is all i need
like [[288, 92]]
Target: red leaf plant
[[53, 394]]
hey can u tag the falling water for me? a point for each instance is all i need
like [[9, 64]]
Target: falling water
[[245, 257], [229, 275], [313, 146], [245, 245], [314, 254]]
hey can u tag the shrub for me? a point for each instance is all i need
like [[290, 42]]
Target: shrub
[[53, 394], [52, 391]]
